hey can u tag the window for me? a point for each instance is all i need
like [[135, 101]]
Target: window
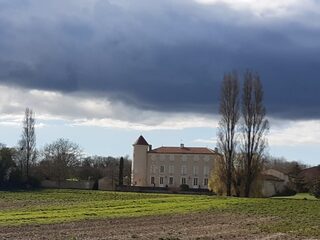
[[195, 170], [183, 180], [171, 169], [171, 180], [161, 180], [171, 157], [152, 180], [153, 169], [205, 182], [206, 170], [161, 169], [183, 169], [195, 181], [184, 158]]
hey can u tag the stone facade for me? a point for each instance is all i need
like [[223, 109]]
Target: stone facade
[[171, 166], [68, 184], [274, 182]]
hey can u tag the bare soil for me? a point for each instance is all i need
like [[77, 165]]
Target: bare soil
[[168, 227]]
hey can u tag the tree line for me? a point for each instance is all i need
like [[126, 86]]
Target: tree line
[[26, 166]]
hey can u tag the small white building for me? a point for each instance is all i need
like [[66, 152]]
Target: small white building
[[171, 166], [274, 182]]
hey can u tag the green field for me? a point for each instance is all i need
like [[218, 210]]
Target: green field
[[301, 196], [299, 217]]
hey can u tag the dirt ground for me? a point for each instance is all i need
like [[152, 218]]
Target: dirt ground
[[188, 226]]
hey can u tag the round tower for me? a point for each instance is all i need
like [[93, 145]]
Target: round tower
[[139, 163]]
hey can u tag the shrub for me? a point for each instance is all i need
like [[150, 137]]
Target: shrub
[[217, 181], [287, 191], [16, 179], [184, 187], [33, 182], [174, 190], [315, 188]]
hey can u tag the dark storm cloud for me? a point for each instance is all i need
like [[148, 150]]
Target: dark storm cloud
[[160, 55]]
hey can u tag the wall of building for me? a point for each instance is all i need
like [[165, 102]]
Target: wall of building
[[139, 165], [166, 166], [106, 183], [277, 174], [271, 188], [68, 184]]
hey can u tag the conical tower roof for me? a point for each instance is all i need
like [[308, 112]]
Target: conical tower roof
[[141, 141]]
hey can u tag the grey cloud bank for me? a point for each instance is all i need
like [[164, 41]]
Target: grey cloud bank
[[161, 55]]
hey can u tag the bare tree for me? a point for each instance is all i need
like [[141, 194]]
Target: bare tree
[[230, 113], [254, 128], [238, 178], [95, 167], [60, 159], [27, 143]]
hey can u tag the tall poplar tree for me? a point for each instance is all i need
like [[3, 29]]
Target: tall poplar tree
[[254, 128], [27, 142], [230, 114]]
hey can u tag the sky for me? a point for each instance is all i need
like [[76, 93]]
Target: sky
[[101, 73]]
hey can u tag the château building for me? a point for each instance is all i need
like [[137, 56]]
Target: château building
[[171, 166]]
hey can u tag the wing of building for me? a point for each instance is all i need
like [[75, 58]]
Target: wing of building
[[171, 166]]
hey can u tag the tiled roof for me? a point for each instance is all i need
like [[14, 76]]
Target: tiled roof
[[310, 173], [183, 150], [268, 177], [141, 141]]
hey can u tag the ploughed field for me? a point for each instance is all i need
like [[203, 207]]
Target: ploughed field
[[76, 214]]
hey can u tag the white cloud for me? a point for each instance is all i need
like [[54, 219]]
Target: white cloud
[[9, 124], [267, 7], [295, 133], [165, 121], [285, 133], [10, 120], [209, 141], [15, 120], [40, 125], [78, 109]]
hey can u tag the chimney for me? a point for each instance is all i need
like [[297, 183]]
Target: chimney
[[150, 147], [216, 149], [181, 145]]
